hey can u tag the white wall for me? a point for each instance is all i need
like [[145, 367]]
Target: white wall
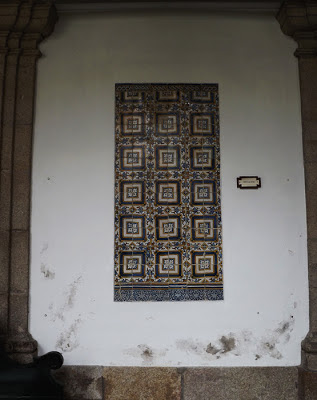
[[265, 312]]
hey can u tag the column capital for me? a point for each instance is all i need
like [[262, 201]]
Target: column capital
[[298, 19], [25, 23]]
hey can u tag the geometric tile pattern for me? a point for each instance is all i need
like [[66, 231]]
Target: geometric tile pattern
[[167, 157], [168, 237]]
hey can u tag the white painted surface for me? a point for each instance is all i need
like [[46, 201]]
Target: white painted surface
[[264, 232]]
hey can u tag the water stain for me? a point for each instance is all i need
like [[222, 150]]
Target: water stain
[[281, 334], [44, 247], [71, 293], [244, 342], [284, 326], [190, 346], [69, 300], [212, 349], [46, 272], [228, 343], [269, 348], [68, 340], [147, 353], [224, 345]]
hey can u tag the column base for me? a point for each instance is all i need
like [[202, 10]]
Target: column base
[[309, 354], [307, 384], [21, 348]]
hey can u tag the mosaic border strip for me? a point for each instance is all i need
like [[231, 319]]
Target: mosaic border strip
[[168, 229]]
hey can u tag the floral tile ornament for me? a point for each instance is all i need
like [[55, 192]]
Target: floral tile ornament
[[168, 230]]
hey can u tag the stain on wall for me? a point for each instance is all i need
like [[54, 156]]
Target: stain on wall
[[240, 343], [227, 344], [44, 248], [69, 296], [147, 354], [47, 273], [68, 340], [60, 311]]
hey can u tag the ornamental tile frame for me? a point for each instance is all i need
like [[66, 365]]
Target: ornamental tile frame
[[168, 230]]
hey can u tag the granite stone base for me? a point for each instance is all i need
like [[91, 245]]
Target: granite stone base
[[155, 383], [307, 385]]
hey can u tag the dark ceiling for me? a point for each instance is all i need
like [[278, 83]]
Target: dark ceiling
[[166, 1], [268, 6]]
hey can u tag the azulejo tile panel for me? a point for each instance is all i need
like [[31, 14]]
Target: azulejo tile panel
[[168, 230]]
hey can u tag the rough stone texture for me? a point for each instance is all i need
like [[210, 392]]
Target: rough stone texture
[[240, 384], [4, 261], [19, 261], [308, 85], [23, 25], [81, 382], [307, 385], [22, 177], [137, 383], [3, 312], [5, 199], [298, 20], [309, 130], [313, 276], [310, 150], [311, 198], [18, 316], [309, 346], [312, 250], [153, 383]]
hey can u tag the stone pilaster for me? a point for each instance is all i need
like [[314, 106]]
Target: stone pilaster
[[298, 19], [23, 25]]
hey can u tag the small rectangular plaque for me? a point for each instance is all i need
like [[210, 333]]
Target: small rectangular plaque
[[248, 182]]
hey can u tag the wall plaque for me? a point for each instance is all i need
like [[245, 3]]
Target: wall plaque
[[248, 182]]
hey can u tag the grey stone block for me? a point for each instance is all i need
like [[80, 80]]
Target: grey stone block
[[81, 382], [245, 383]]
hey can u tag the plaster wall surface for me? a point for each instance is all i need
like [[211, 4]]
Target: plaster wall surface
[[264, 315]]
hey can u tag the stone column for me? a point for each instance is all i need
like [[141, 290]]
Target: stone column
[[23, 25], [298, 19]]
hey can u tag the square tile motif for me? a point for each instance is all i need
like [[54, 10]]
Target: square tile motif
[[132, 227], [167, 124], [167, 157], [132, 124], [202, 96], [168, 230], [166, 95], [204, 263], [203, 193], [132, 192], [132, 264], [204, 228], [168, 264], [202, 124], [132, 96], [132, 158], [168, 192], [202, 159]]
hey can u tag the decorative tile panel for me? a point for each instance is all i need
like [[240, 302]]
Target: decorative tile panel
[[168, 238]]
